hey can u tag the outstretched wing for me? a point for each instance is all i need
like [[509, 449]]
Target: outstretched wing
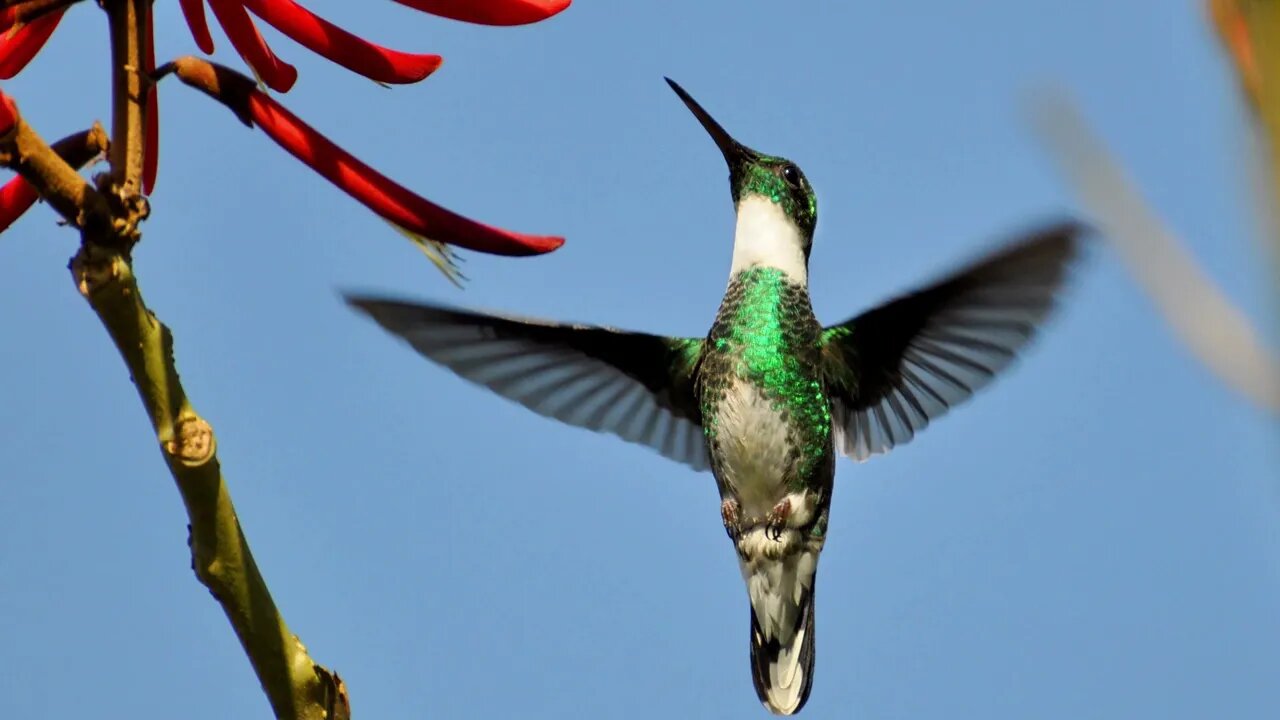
[[633, 385], [893, 369]]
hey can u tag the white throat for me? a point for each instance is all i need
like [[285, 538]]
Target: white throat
[[766, 237]]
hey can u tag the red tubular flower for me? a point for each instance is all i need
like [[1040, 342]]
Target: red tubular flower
[[8, 113], [193, 11], [321, 36], [390, 200], [324, 38], [18, 46], [16, 197], [244, 36], [491, 12], [151, 139], [384, 196], [428, 223]]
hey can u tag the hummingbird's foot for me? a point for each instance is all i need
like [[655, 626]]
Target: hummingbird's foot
[[729, 512], [777, 519]]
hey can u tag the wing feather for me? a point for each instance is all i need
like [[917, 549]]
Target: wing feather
[[637, 386], [894, 369]]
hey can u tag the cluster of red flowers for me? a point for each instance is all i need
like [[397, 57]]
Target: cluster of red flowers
[[20, 41]]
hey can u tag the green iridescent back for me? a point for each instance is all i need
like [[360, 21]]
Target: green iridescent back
[[766, 334]]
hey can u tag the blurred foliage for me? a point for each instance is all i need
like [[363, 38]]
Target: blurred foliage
[[1250, 33], [1212, 328]]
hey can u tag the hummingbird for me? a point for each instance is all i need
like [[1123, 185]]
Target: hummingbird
[[769, 397]]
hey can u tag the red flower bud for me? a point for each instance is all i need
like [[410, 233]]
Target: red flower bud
[[384, 196]]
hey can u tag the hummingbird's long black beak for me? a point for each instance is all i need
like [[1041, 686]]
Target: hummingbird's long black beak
[[734, 152]]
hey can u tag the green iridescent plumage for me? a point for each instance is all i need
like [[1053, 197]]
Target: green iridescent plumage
[[766, 334], [766, 175]]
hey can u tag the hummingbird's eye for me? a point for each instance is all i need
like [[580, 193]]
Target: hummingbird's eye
[[791, 174]]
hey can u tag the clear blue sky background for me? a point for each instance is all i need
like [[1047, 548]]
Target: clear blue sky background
[[1097, 535]]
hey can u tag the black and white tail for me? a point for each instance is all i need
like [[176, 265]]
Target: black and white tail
[[781, 594]]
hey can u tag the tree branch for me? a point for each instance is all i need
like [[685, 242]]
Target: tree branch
[[18, 195], [79, 148], [54, 178], [296, 686], [129, 32]]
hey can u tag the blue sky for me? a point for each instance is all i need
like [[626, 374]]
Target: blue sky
[[1096, 535]]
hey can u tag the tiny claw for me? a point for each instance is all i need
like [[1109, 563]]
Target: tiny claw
[[777, 519], [729, 514]]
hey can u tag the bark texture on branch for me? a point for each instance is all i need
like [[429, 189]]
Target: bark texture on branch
[[295, 684]]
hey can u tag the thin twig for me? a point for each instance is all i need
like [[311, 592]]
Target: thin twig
[[296, 686], [78, 149], [127, 20]]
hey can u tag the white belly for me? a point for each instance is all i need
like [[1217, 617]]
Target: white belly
[[753, 446]]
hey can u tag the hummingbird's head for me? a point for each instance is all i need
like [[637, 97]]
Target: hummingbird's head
[[755, 176]]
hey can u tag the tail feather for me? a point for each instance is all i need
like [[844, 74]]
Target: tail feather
[[782, 648]]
